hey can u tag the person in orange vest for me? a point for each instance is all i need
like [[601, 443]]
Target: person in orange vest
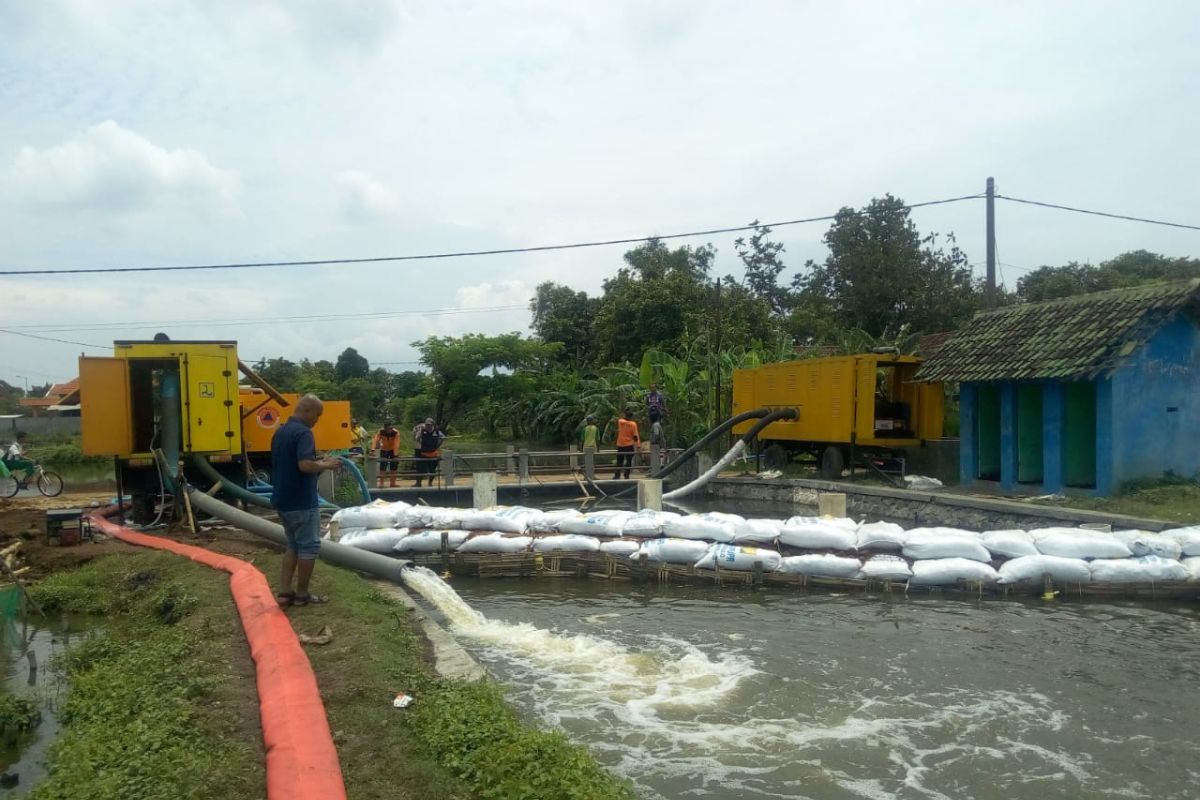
[[387, 442], [627, 442]]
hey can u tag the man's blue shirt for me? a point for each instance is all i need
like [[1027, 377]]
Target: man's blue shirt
[[293, 489]]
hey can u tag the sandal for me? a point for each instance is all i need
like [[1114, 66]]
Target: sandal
[[285, 599], [309, 599]]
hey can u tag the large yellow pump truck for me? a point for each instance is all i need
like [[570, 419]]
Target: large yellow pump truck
[[856, 410], [183, 399]]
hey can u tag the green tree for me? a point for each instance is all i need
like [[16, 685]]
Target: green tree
[[351, 365], [1128, 269], [281, 373], [881, 274], [762, 259], [561, 314]]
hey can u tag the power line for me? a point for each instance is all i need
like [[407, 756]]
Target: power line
[[1100, 213], [367, 316], [52, 339], [460, 254]]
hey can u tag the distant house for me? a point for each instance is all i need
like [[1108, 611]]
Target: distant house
[[61, 399], [1087, 392]]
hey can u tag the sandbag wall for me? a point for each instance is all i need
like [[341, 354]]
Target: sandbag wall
[[823, 548]]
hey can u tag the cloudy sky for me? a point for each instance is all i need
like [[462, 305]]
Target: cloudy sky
[[146, 133]]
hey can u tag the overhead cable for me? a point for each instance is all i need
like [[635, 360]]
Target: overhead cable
[[1099, 213]]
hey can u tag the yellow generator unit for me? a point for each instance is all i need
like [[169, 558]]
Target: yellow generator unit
[[852, 410], [262, 415]]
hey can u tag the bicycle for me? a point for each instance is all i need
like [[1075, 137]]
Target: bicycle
[[48, 483]]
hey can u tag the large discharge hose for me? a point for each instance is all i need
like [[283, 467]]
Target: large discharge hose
[[734, 452], [709, 437]]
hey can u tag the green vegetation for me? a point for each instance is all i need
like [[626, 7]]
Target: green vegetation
[[18, 715], [1171, 498], [171, 634]]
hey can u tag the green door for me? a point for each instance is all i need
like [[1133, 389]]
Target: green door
[[988, 431], [1029, 433], [1079, 434]]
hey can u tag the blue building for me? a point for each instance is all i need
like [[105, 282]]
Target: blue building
[[1084, 393]]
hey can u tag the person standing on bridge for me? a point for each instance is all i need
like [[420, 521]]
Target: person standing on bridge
[[387, 442], [431, 441], [627, 442], [294, 470], [656, 404]]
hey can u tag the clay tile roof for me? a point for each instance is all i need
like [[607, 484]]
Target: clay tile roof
[[1069, 339]]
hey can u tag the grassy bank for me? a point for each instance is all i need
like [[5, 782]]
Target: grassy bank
[[171, 634], [1175, 499]]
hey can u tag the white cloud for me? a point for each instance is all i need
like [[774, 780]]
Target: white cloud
[[500, 293], [364, 200], [110, 170]]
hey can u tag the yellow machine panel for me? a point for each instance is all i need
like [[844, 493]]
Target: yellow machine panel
[[261, 416], [868, 400], [104, 412]]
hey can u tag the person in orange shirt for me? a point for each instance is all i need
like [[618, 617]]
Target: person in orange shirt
[[627, 441], [387, 442]]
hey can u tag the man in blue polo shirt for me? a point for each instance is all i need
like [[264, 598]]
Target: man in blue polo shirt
[[294, 471]]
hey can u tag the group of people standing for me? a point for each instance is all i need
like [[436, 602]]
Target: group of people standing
[[426, 441], [628, 438]]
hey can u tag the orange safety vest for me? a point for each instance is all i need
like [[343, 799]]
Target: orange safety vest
[[627, 433]]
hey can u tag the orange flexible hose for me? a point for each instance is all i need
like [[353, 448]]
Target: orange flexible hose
[[302, 763]]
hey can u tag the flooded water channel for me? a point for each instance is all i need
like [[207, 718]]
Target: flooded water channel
[[719, 693]]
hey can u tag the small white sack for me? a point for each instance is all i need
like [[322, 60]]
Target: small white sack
[[1009, 544], [1192, 564], [821, 564], [814, 533], [1144, 543], [548, 521], [375, 540], [672, 551], [431, 541], [1033, 568], [432, 517], [758, 531], [741, 559], [376, 514], [495, 543], [886, 568], [881, 536], [1144, 569], [949, 571], [713, 526], [598, 523], [507, 519], [1080, 543], [647, 523], [936, 543], [623, 548], [1188, 538], [566, 543]]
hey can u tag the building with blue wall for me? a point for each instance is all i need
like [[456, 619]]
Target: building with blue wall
[[1085, 393]]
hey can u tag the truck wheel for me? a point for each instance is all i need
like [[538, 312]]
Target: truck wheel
[[776, 456], [832, 463]]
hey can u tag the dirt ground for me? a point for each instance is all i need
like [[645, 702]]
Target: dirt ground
[[24, 519]]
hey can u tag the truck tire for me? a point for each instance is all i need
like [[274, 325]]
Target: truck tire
[[832, 463], [776, 456]]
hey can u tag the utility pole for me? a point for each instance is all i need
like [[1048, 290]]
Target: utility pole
[[989, 297], [718, 419]]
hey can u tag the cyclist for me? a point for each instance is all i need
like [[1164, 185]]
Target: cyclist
[[14, 455]]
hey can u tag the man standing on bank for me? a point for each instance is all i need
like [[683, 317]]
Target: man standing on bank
[[627, 442], [294, 470]]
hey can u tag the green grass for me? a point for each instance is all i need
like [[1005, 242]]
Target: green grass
[[1171, 498], [171, 633]]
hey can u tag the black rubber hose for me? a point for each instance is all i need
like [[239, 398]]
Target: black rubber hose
[[708, 437]]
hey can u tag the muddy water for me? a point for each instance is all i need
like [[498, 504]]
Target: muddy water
[[707, 693]]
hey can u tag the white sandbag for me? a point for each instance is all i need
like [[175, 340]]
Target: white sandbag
[[647, 523], [937, 543], [431, 541], [495, 543], [1143, 569], [431, 517], [1188, 538], [336, 532], [1009, 544], [814, 533], [672, 551], [1144, 543], [548, 521], [598, 523], [376, 514], [821, 564], [507, 519], [758, 531], [713, 526], [566, 543], [1192, 565], [838, 522], [623, 548], [738, 557], [881, 536], [1081, 543], [1035, 568], [374, 540], [949, 571], [886, 568]]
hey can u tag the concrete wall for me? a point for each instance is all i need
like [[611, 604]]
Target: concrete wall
[[1155, 403], [39, 426]]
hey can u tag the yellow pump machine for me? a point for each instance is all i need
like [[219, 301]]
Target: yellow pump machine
[[183, 397], [858, 409]]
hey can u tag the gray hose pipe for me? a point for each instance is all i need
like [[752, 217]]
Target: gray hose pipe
[[338, 554]]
